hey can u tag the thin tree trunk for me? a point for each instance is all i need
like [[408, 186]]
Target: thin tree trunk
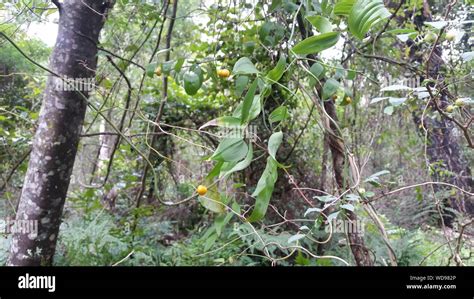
[[336, 146], [60, 123]]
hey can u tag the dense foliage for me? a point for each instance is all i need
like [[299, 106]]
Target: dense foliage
[[294, 118]]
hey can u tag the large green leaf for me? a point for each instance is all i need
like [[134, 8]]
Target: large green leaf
[[364, 14], [264, 190], [316, 43], [230, 149], [244, 66]]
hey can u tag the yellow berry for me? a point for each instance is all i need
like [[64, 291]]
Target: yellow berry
[[348, 99], [459, 102], [450, 108], [223, 73], [450, 36], [430, 37], [158, 71], [201, 190]]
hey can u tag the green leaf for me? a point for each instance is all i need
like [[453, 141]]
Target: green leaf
[[388, 110], [330, 87], [348, 206], [244, 66], [248, 102], [167, 66], [274, 142], [278, 114], [296, 237], [230, 149], [240, 85], [343, 7], [192, 82], [224, 121], [467, 56], [364, 14], [317, 70], [242, 164], [150, 69], [321, 23], [316, 43], [275, 4], [179, 65], [264, 190], [275, 74]]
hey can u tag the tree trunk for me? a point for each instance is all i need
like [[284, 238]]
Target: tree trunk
[[336, 145], [60, 123]]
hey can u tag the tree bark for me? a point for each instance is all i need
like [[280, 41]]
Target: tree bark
[[56, 139]]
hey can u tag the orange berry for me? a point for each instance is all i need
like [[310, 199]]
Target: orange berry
[[201, 190], [223, 73]]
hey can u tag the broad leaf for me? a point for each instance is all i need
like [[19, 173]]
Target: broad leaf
[[242, 164], [364, 15], [192, 82], [321, 23], [244, 66], [278, 114], [316, 43], [230, 149]]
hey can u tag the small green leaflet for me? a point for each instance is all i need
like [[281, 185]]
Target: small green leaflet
[[278, 114], [274, 142], [317, 43], [224, 121], [248, 102], [275, 74], [192, 81], [264, 190], [244, 66], [150, 69], [242, 164], [321, 23], [240, 85], [330, 87]]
